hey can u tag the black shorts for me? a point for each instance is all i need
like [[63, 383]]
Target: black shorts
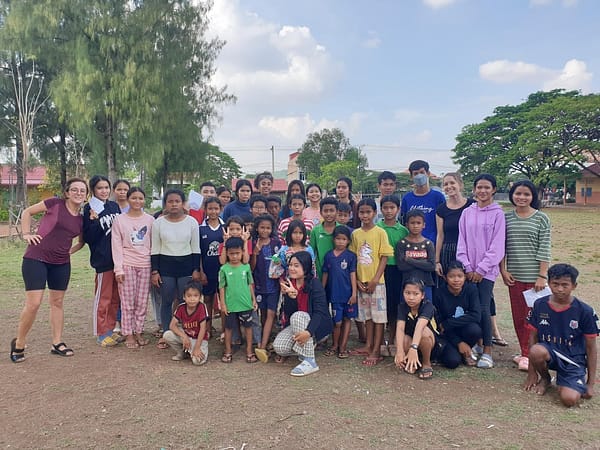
[[243, 317], [36, 274]]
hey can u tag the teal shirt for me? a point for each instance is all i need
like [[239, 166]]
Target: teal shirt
[[394, 233], [321, 241]]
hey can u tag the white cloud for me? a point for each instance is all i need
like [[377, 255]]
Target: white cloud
[[574, 74], [564, 3], [372, 41], [437, 4], [292, 129]]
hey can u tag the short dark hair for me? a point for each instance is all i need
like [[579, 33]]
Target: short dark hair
[[344, 207], [328, 201], [487, 177], [535, 200], [247, 218], [192, 285], [414, 213], [297, 197], [367, 201], [456, 264], [386, 175], [178, 192], [234, 242], [274, 198], [418, 164], [264, 218], [209, 184], [342, 229], [209, 200], [258, 198], [119, 181], [563, 270], [391, 199], [414, 282]]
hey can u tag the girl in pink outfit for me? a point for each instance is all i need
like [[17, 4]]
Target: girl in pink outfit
[[131, 245]]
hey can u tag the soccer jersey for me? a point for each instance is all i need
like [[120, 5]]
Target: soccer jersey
[[369, 246], [321, 242], [427, 203], [394, 233], [236, 281], [338, 270], [210, 238], [564, 331], [263, 284], [190, 323], [426, 311]]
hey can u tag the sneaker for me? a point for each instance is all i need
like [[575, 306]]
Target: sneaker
[[485, 361], [524, 364], [106, 341], [476, 352]]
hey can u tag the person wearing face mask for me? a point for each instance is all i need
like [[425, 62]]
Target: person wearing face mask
[[422, 197]]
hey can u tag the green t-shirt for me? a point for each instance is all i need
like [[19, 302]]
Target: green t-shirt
[[321, 241], [236, 281], [394, 233]]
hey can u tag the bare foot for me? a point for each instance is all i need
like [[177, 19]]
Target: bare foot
[[542, 386]]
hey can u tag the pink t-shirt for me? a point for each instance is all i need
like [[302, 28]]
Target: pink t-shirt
[[131, 241], [314, 215], [58, 228]]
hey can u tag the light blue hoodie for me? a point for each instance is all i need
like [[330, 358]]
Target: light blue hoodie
[[481, 239]]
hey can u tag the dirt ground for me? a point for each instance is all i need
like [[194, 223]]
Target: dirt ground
[[121, 398]]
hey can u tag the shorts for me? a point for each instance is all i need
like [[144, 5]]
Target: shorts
[[37, 273], [340, 311], [568, 374], [212, 287], [243, 317], [268, 301], [373, 306]]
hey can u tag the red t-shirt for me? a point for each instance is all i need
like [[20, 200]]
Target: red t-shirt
[[191, 322], [197, 214], [58, 228], [301, 298]]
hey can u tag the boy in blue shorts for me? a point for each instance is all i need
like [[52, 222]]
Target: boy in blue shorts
[[563, 338], [339, 281]]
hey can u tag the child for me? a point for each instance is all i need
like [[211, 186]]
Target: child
[[295, 187], [563, 338], [339, 281], [295, 241], [370, 244], [207, 190], [386, 184], [321, 235], [236, 293], [224, 196], [344, 215], [297, 204], [235, 227], [423, 198], [390, 205], [131, 245], [241, 205], [211, 236], [266, 245], [415, 255], [313, 211], [274, 207], [416, 331], [459, 313], [258, 205], [188, 331]]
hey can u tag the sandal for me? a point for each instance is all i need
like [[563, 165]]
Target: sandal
[[61, 349], [425, 373], [261, 354], [132, 344], [251, 358], [107, 341], [17, 355], [227, 358], [303, 369], [141, 341], [280, 359], [499, 341], [330, 351], [343, 355], [162, 344]]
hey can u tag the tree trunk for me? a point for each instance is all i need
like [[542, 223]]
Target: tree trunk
[[21, 169], [62, 151], [109, 138], [165, 174]]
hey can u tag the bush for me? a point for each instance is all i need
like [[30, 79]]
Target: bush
[[3, 215]]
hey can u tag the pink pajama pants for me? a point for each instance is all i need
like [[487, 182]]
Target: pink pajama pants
[[134, 292]]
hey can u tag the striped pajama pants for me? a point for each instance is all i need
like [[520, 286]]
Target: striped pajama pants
[[284, 344], [134, 292]]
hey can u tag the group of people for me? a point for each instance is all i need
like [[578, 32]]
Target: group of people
[[422, 267]]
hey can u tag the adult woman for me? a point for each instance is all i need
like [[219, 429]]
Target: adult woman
[[305, 315], [295, 187], [263, 183], [343, 192], [525, 264], [175, 255], [447, 217], [47, 261], [224, 196], [98, 216], [120, 189], [241, 205], [481, 238], [313, 211]]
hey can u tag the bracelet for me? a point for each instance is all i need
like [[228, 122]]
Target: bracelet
[[414, 346], [542, 276]]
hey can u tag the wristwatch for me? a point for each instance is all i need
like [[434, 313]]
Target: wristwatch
[[415, 346]]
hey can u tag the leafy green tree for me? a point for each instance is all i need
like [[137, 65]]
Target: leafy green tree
[[325, 147]]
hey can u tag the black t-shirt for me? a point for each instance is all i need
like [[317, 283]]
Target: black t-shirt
[[451, 218], [426, 311]]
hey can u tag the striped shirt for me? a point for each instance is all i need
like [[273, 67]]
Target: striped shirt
[[527, 243]]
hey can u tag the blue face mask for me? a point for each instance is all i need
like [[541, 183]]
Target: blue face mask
[[420, 179]]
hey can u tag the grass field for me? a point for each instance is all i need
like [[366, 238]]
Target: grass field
[[118, 398]]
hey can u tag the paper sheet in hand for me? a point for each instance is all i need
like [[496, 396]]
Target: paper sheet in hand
[[531, 296], [97, 205], [195, 200]]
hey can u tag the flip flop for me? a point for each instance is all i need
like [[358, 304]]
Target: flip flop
[[426, 373], [161, 344], [343, 355], [499, 342]]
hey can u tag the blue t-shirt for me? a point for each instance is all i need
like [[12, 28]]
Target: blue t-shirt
[[564, 331], [209, 253], [338, 270], [427, 203], [263, 284]]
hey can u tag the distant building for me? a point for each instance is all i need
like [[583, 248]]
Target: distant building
[[294, 172], [279, 186], [588, 187], [36, 177]]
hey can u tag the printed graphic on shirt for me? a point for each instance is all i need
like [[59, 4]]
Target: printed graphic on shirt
[[365, 253], [137, 236], [213, 249]]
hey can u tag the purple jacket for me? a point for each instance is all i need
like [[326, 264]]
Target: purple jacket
[[481, 239]]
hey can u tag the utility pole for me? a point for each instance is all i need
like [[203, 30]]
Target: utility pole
[[272, 159]]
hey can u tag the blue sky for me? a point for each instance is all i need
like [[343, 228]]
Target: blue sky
[[400, 78]]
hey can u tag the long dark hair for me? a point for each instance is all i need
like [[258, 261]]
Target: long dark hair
[[296, 223], [535, 200], [286, 211], [306, 262]]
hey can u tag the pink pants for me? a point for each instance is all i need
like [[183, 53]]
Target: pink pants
[[134, 292], [520, 310]]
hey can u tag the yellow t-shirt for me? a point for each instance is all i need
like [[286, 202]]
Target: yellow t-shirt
[[369, 247]]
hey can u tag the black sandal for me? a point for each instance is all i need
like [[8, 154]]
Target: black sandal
[[17, 355], [65, 351]]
